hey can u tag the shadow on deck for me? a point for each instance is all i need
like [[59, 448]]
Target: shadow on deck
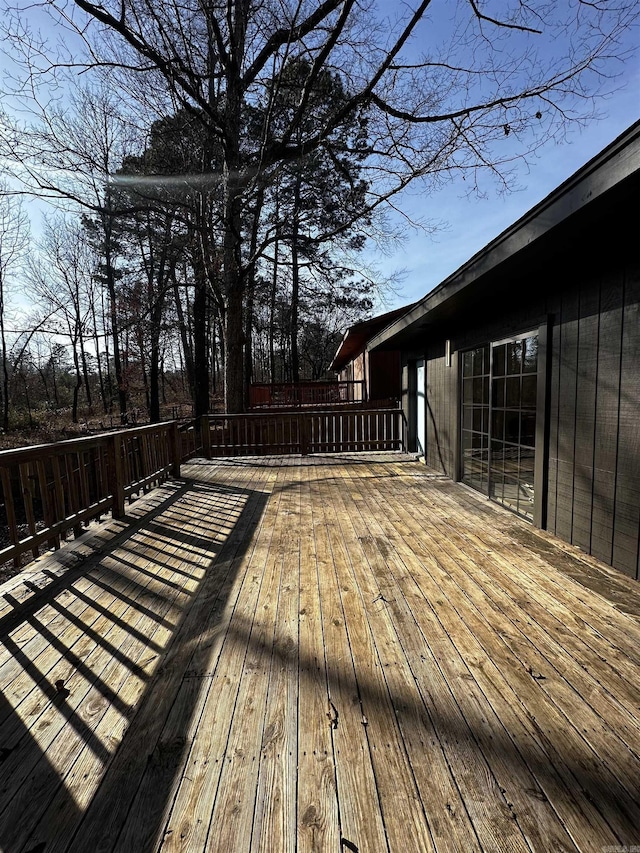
[[97, 642], [319, 654]]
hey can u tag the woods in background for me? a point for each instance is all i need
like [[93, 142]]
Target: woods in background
[[218, 168]]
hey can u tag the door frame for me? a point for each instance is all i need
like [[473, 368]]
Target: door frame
[[541, 458], [421, 410]]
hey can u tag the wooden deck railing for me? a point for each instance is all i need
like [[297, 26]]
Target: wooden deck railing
[[319, 431], [51, 489]]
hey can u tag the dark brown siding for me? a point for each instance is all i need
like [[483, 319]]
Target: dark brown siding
[[594, 465], [606, 412], [593, 496], [627, 490], [384, 375]]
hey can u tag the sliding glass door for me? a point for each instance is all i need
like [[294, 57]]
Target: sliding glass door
[[475, 418], [499, 392]]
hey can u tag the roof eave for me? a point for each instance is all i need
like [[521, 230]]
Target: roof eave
[[611, 167]]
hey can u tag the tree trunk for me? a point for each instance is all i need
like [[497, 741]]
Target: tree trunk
[[27, 400], [234, 291], [154, 366], [251, 283], [143, 368], [5, 366], [295, 284], [248, 346], [272, 315], [85, 372], [232, 222], [113, 314], [54, 380], [186, 350], [154, 384], [233, 373], [103, 392], [200, 354], [78, 383]]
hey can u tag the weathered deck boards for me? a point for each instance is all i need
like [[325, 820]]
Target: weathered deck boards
[[326, 654]]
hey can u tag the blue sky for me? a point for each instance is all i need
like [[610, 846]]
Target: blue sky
[[471, 223], [468, 224]]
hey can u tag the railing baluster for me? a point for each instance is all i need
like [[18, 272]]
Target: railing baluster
[[27, 500], [145, 456], [49, 516], [58, 491], [84, 482], [9, 507]]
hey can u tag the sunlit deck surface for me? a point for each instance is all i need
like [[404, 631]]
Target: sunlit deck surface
[[329, 653]]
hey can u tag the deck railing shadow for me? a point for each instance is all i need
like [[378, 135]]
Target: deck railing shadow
[[126, 806], [102, 644], [540, 758]]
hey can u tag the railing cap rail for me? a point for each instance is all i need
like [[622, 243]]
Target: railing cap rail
[[58, 448], [307, 382], [274, 413]]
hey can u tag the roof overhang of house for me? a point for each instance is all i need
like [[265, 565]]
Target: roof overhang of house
[[609, 179], [356, 337]]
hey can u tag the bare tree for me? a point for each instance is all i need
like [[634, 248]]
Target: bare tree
[[14, 238], [67, 154], [471, 94], [61, 280]]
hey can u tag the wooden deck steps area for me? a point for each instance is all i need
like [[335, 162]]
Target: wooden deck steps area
[[326, 653]]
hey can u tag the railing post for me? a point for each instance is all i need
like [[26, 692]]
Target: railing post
[[176, 449], [116, 474], [205, 433]]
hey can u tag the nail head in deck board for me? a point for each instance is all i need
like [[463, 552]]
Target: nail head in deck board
[[445, 811], [357, 792], [402, 811]]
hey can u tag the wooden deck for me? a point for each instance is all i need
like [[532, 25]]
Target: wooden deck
[[328, 654]]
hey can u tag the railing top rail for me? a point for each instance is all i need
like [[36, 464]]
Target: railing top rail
[[273, 413], [34, 451], [307, 382], [140, 430], [58, 448]]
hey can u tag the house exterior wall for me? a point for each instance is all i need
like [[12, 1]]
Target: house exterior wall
[[590, 442], [594, 417], [383, 375], [359, 368], [442, 411]]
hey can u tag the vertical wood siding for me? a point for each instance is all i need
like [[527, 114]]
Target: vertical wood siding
[[593, 497], [627, 493], [594, 465], [606, 419]]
